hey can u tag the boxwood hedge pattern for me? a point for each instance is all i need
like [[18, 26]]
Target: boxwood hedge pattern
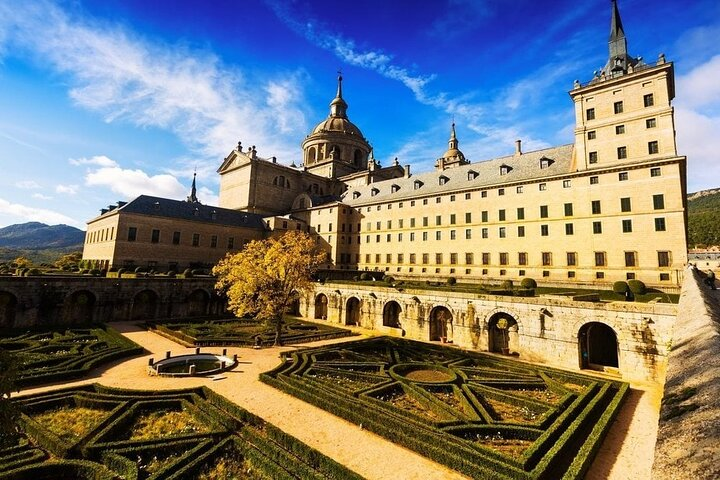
[[60, 353], [230, 439], [244, 332], [484, 416]]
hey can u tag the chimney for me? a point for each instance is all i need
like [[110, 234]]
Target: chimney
[[518, 147], [407, 171]]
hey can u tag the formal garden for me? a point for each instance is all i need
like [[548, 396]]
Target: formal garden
[[49, 354], [96, 432], [484, 416], [244, 332]]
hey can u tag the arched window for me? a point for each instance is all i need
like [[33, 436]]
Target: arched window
[[391, 314]]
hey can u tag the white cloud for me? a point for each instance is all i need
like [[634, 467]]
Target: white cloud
[[40, 196], [99, 160], [66, 189], [207, 196], [28, 185], [16, 213], [700, 88], [132, 183]]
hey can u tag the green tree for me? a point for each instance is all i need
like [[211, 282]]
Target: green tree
[[69, 260], [8, 412], [266, 276]]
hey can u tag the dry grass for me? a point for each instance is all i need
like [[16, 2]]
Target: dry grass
[[165, 423], [230, 467], [71, 423]]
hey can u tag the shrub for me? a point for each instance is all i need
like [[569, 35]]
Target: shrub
[[120, 272], [620, 287], [451, 281], [637, 287], [140, 270], [188, 273], [356, 278], [389, 279], [95, 272], [528, 283], [198, 271], [171, 273], [35, 272], [365, 277], [506, 285], [84, 271]]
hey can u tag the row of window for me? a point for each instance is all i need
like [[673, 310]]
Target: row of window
[[619, 107], [622, 152], [620, 129], [103, 235], [196, 238]]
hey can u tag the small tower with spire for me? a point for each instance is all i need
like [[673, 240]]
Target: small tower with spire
[[619, 62], [192, 198], [453, 157]]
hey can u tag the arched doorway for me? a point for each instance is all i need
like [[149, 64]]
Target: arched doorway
[[391, 314], [197, 303], [598, 346], [294, 307], [352, 312], [144, 305], [500, 339], [8, 305], [321, 302], [79, 307], [440, 325]]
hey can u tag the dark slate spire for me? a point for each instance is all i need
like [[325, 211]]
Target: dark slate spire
[[619, 60], [193, 191], [338, 107]]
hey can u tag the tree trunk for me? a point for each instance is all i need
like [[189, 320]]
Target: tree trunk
[[278, 332]]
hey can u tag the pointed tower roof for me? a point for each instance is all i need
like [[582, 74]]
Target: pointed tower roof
[[618, 60], [338, 107], [453, 156], [193, 191]]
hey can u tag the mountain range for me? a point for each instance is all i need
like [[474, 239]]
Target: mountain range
[[39, 242]]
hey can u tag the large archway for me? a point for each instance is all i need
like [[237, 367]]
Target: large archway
[[79, 307], [321, 307], [352, 312], [8, 305], [293, 307], [197, 303], [598, 346], [391, 314], [441, 325], [500, 340], [144, 305]]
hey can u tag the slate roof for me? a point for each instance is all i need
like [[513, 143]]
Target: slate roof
[[194, 212], [525, 167]]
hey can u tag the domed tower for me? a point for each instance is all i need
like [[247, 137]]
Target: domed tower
[[453, 157], [336, 147]]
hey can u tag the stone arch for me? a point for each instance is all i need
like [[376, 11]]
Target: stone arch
[[8, 307], [321, 306], [302, 201], [293, 307], [79, 307], [502, 340], [352, 311], [598, 346], [391, 314], [441, 324], [198, 302], [144, 305], [312, 155]]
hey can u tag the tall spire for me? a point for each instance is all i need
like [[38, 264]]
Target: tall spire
[[619, 60], [453, 142], [338, 107], [193, 191]]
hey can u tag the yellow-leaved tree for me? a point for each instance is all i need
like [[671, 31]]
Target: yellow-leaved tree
[[266, 276]]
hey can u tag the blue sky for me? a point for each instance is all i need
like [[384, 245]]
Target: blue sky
[[104, 100]]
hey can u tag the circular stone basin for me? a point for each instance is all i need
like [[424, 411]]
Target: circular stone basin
[[202, 363], [423, 373]]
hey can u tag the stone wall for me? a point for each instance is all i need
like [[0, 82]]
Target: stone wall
[[548, 329], [688, 444], [29, 301]]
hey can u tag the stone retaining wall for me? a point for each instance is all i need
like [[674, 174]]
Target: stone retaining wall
[[688, 444]]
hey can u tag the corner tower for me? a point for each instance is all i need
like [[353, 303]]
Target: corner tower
[[336, 147]]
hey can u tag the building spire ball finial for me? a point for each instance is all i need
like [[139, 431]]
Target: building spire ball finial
[[338, 107], [193, 190]]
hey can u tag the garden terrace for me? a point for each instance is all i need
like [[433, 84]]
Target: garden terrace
[[96, 432], [244, 332], [484, 416], [59, 353]]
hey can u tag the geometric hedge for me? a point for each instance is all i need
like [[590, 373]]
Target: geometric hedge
[[484, 416], [131, 434], [244, 332], [51, 354]]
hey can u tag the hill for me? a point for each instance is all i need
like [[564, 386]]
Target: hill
[[704, 218], [39, 242]]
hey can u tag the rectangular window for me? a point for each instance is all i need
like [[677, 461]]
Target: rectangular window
[[452, 219], [599, 259], [663, 259], [484, 216], [501, 232], [619, 129], [389, 225], [659, 201], [544, 230], [597, 227], [623, 176], [412, 222], [571, 259], [438, 199], [568, 210], [196, 240], [630, 259], [567, 183], [213, 241], [453, 259], [591, 135], [596, 209], [483, 194], [438, 259], [425, 201], [503, 258], [546, 259], [660, 224], [521, 213], [412, 236], [599, 275], [653, 147], [468, 234], [592, 157], [468, 196], [399, 237], [501, 192], [469, 258], [438, 235], [594, 180], [388, 238], [543, 211], [625, 205], [484, 233], [522, 258], [486, 258], [519, 189], [468, 217], [521, 231], [425, 221], [388, 258], [569, 230], [425, 236], [425, 258], [155, 238], [650, 123], [367, 258], [501, 215], [377, 258], [400, 258], [590, 114], [400, 223], [412, 258], [627, 226], [176, 238], [621, 153], [231, 243], [452, 235], [664, 277], [655, 172], [648, 100], [438, 219], [542, 187], [618, 107]]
